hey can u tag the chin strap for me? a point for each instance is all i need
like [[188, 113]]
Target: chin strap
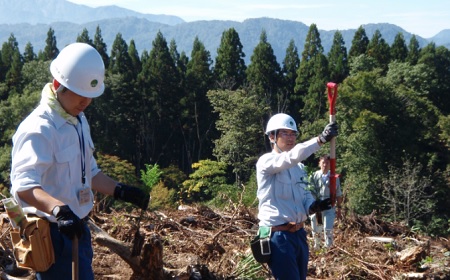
[[275, 142], [278, 148]]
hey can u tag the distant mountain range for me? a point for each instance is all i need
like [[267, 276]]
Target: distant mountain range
[[49, 11], [30, 20]]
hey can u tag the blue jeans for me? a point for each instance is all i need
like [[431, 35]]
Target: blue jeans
[[62, 268], [290, 253]]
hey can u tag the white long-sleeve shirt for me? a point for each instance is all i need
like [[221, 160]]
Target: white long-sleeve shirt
[[47, 153], [282, 183]]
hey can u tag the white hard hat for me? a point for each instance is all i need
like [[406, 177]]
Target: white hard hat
[[281, 121], [80, 68]]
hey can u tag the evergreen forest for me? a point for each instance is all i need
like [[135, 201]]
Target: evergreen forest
[[198, 121]]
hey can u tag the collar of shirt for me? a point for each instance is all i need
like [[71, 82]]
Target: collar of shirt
[[49, 98]]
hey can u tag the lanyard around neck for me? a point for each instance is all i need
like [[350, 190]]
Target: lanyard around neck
[[82, 149]]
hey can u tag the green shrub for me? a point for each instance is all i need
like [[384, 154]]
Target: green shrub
[[162, 197]]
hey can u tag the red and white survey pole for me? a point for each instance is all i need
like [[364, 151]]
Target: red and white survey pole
[[332, 96]]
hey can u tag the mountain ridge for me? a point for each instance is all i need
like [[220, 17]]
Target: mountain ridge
[[143, 29], [50, 11]]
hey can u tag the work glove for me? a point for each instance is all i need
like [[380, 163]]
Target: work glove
[[330, 131], [132, 194], [68, 223], [320, 205]]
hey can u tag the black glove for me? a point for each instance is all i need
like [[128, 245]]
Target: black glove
[[132, 194], [320, 205], [68, 223], [330, 131]]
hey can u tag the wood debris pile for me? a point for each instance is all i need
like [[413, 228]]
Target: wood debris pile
[[200, 243]]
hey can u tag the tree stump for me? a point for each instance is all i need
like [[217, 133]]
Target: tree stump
[[152, 258]]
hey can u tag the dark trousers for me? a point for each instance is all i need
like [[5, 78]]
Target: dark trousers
[[290, 253], [62, 245]]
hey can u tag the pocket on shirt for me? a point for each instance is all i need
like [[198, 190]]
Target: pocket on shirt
[[283, 187], [67, 163]]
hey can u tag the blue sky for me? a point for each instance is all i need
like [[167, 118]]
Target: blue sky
[[421, 17]]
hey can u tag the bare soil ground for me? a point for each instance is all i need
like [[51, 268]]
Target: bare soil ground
[[200, 243]]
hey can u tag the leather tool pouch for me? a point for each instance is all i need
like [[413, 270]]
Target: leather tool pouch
[[32, 244], [260, 245]]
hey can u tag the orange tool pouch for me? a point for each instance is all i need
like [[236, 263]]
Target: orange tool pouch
[[32, 244]]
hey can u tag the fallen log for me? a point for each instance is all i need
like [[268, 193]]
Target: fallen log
[[120, 248], [150, 261]]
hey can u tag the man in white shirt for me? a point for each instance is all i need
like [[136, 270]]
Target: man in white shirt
[[53, 171], [284, 200]]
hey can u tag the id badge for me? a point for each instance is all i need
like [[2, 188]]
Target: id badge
[[84, 196]]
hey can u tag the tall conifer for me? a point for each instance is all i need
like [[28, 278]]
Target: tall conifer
[[312, 77], [399, 51], [51, 50], [291, 63], [337, 59], [264, 74], [229, 69], [359, 43]]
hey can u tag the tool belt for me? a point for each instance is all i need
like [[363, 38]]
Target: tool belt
[[291, 227], [32, 244], [260, 244]]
